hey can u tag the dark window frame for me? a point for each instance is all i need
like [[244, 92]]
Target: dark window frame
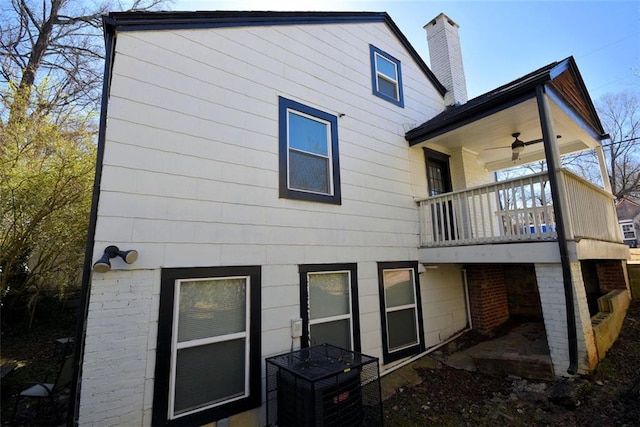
[[334, 197], [160, 413], [373, 51], [389, 356], [304, 269]]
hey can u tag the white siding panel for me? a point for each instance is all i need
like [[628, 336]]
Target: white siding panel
[[443, 303]]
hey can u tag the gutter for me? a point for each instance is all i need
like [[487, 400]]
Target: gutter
[[81, 323], [547, 134]]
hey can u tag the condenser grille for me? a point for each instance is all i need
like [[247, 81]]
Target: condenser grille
[[323, 386]]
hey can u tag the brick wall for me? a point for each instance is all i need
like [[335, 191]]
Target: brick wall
[[446, 58], [612, 275], [487, 296], [522, 290]]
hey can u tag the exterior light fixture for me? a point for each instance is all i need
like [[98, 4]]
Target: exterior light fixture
[[104, 264]]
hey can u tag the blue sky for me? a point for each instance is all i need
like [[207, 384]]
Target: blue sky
[[504, 40]]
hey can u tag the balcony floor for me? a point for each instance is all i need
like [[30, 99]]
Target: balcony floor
[[522, 252]]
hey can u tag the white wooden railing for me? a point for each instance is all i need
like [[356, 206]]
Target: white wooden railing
[[516, 210], [592, 211]]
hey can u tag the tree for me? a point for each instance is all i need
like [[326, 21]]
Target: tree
[[620, 116], [56, 45], [51, 69], [46, 175]]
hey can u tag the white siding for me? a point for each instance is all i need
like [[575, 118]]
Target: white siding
[[444, 308], [190, 178]]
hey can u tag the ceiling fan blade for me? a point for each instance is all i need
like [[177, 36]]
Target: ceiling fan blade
[[498, 148], [535, 141]]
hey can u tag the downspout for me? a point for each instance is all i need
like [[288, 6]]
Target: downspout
[[83, 311], [553, 169]]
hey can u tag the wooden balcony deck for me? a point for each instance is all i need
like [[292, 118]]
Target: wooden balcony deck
[[517, 210]]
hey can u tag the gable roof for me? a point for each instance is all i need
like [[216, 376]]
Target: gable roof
[[564, 76], [627, 209], [144, 20]]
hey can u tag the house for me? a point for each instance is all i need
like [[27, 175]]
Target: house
[[294, 178], [628, 212]]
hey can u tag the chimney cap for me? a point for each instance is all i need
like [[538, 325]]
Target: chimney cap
[[442, 17]]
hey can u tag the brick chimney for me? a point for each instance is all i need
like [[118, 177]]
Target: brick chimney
[[446, 57]]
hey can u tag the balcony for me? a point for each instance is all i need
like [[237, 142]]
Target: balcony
[[517, 211]]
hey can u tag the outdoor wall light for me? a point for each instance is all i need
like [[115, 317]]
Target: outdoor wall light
[[104, 264]]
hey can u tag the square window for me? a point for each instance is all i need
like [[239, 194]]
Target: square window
[[208, 353], [628, 230], [329, 305], [401, 311], [386, 76], [309, 165]]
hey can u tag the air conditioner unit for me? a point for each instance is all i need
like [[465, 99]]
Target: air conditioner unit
[[323, 386]]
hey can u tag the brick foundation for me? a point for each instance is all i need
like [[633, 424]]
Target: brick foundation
[[612, 275], [487, 296]]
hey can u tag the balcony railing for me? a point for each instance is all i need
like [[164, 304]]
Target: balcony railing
[[516, 210]]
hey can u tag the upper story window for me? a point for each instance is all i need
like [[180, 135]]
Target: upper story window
[[386, 76], [628, 231], [309, 165], [208, 352]]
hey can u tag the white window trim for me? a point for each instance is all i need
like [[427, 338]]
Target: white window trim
[[203, 341], [386, 77], [633, 229], [321, 320], [329, 155], [413, 306]]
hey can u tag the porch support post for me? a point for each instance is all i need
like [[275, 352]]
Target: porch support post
[[552, 155], [603, 169]]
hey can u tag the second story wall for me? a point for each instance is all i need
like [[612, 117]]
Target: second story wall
[[191, 164]]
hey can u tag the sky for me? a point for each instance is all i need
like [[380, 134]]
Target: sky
[[504, 40]]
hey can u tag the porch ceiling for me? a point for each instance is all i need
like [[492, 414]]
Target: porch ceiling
[[484, 136]]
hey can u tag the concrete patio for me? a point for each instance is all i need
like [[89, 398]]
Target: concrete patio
[[522, 352]]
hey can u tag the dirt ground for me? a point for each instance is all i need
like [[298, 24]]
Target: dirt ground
[[610, 396]]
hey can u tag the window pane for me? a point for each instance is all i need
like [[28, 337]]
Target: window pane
[[328, 295], [208, 374], [337, 333], [308, 135], [387, 88], [402, 328], [210, 308], [307, 172], [386, 67], [398, 287]]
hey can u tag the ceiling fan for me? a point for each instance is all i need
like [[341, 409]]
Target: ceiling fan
[[517, 146]]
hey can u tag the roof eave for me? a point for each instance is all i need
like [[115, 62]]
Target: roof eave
[[418, 135]]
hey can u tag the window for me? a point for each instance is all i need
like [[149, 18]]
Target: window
[[208, 353], [401, 312], [329, 305], [386, 76], [309, 166], [628, 232]]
